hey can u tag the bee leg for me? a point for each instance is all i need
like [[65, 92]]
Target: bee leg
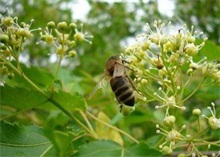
[[121, 106], [132, 85]]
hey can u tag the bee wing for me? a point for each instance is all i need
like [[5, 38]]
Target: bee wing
[[99, 85], [119, 70]]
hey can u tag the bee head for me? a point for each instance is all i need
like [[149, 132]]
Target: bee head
[[111, 62]]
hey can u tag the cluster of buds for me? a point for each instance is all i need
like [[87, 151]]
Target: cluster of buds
[[172, 135], [13, 35], [212, 70], [166, 59], [213, 121], [158, 56], [12, 38], [205, 69], [162, 51], [64, 37], [167, 102], [154, 49]]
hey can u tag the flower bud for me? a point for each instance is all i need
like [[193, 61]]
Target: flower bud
[[72, 53], [59, 51], [10, 75], [72, 25], [49, 39], [144, 81], [145, 45], [157, 62], [6, 52], [4, 70], [4, 38], [191, 49], [3, 47], [184, 127], [174, 58], [62, 27], [155, 38], [169, 121], [164, 39], [182, 155], [207, 70], [189, 71], [173, 135], [23, 24], [43, 37], [72, 44], [79, 37], [216, 76], [50, 24], [196, 112], [167, 150], [162, 72], [167, 46], [24, 33], [171, 101], [141, 54], [139, 72], [214, 123], [191, 39], [8, 21]]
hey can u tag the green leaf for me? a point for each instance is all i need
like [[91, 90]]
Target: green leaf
[[210, 50], [24, 141], [99, 149], [105, 132], [61, 140], [40, 77], [69, 101], [60, 133], [20, 98], [110, 148], [141, 149]]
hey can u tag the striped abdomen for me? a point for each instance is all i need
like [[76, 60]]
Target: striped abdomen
[[123, 91]]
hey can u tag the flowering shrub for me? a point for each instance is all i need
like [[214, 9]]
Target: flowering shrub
[[164, 66]]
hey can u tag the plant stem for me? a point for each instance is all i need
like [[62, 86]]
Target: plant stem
[[171, 77], [24, 76], [60, 58], [58, 66], [199, 126], [87, 121], [193, 92], [58, 105]]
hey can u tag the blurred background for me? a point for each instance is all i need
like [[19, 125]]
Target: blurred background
[[114, 25]]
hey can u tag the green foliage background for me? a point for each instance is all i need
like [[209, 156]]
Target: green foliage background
[[29, 121]]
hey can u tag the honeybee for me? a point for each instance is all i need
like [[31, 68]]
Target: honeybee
[[120, 83]]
